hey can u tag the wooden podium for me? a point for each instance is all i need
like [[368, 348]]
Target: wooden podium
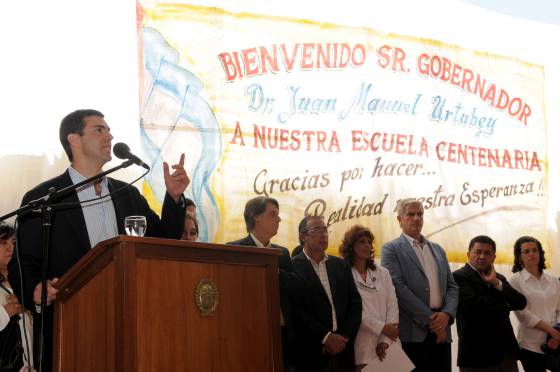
[[129, 305]]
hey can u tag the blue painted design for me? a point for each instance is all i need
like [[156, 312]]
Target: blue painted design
[[183, 95]]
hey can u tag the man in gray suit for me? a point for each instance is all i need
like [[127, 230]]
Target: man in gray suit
[[426, 291]]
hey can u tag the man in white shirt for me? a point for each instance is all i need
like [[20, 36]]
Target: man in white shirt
[[426, 292], [328, 309], [262, 219], [78, 226]]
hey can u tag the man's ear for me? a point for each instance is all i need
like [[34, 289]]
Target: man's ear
[[73, 138]]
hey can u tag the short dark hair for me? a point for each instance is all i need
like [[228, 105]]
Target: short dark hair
[[517, 263], [6, 230], [254, 208], [189, 202], [74, 123], [302, 227], [482, 239], [190, 216], [351, 236]]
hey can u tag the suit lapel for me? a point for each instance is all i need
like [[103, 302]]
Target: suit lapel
[[250, 242], [409, 251], [475, 276], [73, 216], [121, 210], [332, 280], [312, 276]]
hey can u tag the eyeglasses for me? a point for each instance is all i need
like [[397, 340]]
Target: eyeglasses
[[529, 250], [319, 230]]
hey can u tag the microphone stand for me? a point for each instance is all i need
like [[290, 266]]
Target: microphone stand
[[44, 205]]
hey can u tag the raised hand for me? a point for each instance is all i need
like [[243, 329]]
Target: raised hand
[[176, 182], [489, 276]]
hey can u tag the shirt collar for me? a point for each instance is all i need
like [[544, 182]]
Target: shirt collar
[[474, 268], [259, 243], [312, 260], [526, 276], [411, 240], [77, 177]]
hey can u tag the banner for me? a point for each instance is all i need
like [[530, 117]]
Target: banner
[[342, 122]]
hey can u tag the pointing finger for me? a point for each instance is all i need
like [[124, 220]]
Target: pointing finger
[[182, 160], [165, 169]]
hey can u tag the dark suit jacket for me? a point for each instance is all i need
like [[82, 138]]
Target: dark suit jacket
[[287, 281], [483, 325], [313, 314], [70, 239]]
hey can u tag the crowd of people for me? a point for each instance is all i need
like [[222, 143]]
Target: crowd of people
[[342, 313]]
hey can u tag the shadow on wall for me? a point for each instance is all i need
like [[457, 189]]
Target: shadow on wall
[[20, 173]]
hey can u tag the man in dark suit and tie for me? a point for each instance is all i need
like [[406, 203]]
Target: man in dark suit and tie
[[486, 339], [77, 226], [328, 308], [426, 291], [262, 220]]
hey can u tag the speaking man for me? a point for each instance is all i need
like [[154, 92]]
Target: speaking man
[[79, 224]]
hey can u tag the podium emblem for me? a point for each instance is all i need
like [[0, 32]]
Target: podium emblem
[[206, 297]]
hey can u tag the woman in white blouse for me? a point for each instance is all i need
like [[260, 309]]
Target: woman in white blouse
[[542, 291], [380, 312], [10, 308]]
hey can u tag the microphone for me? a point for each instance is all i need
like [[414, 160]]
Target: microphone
[[122, 151]]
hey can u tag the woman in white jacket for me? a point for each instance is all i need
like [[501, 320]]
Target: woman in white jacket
[[542, 313], [10, 306], [380, 311]]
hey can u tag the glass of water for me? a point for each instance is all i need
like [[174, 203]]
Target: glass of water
[[135, 225]]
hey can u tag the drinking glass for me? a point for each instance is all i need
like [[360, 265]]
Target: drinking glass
[[135, 225]]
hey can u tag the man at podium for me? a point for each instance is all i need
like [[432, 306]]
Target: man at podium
[[78, 224]]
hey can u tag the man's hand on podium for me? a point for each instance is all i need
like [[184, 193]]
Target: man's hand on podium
[[51, 292]]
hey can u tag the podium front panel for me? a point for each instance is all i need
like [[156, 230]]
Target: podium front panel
[[86, 337], [174, 333]]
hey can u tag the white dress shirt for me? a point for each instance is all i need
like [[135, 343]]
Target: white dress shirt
[[543, 303], [321, 271], [379, 307], [425, 256], [99, 215]]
